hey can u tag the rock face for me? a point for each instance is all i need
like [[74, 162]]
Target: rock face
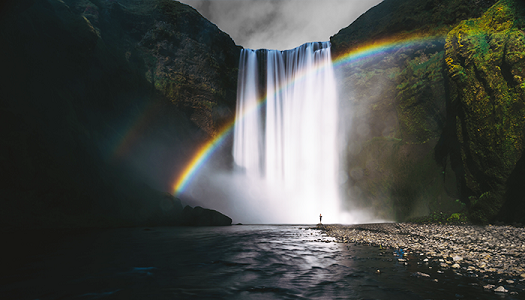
[[192, 63], [392, 17], [485, 63], [199, 216], [436, 121], [104, 101]]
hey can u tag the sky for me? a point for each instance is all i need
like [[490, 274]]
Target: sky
[[281, 24]]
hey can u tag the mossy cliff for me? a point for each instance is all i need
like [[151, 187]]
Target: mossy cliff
[[449, 68], [485, 62], [102, 101]]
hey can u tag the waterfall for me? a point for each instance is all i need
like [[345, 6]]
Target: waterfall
[[285, 135]]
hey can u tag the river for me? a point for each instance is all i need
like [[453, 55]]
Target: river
[[235, 262]]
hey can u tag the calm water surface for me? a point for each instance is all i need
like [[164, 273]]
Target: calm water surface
[[236, 262]]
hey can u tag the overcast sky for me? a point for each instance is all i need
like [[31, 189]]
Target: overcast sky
[[281, 24]]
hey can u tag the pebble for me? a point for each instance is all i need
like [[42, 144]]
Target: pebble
[[484, 251], [419, 274], [500, 289]]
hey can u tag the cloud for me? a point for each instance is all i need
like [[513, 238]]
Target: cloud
[[281, 24]]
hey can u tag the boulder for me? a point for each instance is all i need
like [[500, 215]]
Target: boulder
[[199, 216]]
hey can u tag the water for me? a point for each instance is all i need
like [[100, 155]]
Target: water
[[285, 137], [237, 262]]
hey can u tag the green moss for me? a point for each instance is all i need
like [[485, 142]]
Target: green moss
[[425, 17], [441, 218], [484, 59], [485, 207]]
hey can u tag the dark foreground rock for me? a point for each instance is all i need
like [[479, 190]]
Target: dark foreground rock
[[104, 103], [474, 251], [199, 216]]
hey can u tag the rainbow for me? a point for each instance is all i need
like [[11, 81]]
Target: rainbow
[[356, 54], [201, 157], [135, 128]]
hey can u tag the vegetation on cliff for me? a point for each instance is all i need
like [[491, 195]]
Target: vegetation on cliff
[[485, 63], [437, 121]]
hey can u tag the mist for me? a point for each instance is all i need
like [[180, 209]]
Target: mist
[[251, 201], [280, 24], [300, 178]]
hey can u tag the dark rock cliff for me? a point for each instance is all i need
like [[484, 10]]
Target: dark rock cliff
[[412, 144], [102, 101], [485, 62]]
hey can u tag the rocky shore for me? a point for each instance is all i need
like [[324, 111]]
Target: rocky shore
[[485, 252]]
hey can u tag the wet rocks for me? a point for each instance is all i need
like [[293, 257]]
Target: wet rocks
[[474, 251]]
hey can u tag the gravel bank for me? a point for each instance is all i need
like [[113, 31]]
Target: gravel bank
[[484, 251]]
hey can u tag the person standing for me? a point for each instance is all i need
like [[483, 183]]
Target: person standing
[[320, 218]]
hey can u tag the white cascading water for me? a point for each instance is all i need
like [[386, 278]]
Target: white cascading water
[[288, 143]]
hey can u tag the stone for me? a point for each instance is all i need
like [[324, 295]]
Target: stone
[[457, 258], [501, 289], [419, 274]]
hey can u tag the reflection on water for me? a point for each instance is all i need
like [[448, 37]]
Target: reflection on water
[[237, 262]]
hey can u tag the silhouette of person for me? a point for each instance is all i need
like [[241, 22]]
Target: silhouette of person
[[320, 218]]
